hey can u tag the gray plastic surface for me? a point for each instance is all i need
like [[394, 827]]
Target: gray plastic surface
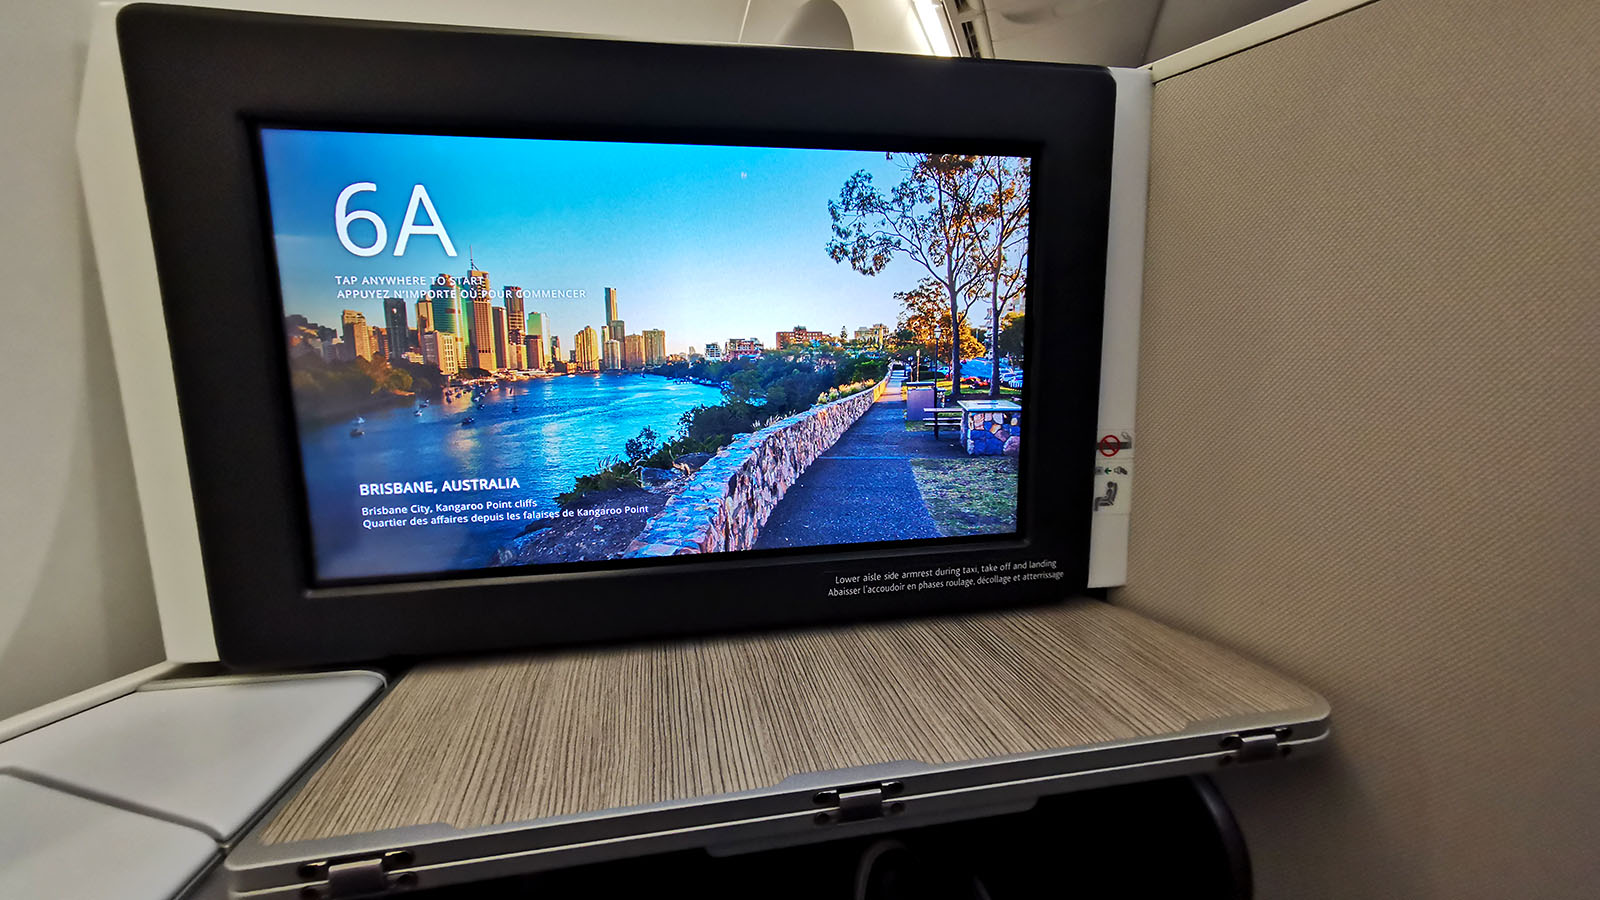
[[782, 815], [54, 844], [209, 756]]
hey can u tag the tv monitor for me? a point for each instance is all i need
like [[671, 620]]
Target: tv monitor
[[488, 340]]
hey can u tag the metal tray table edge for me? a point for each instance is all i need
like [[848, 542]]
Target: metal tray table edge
[[800, 809]]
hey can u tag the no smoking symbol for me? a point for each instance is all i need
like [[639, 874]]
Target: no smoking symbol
[[1110, 445]]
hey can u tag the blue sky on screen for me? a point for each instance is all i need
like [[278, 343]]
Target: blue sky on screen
[[706, 242]]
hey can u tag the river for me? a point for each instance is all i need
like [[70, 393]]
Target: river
[[543, 432]]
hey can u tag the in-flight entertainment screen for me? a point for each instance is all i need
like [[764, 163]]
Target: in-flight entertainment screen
[[513, 352]]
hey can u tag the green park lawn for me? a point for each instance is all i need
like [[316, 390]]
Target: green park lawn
[[975, 495], [978, 393]]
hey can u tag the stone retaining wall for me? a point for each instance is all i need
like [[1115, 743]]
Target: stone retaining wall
[[724, 506], [992, 433]]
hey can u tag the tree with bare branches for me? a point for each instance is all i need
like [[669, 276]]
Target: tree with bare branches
[[1000, 243], [962, 219], [928, 218]]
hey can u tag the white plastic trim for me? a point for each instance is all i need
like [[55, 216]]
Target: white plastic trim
[[174, 684], [126, 259], [88, 698], [1119, 361], [1275, 26]]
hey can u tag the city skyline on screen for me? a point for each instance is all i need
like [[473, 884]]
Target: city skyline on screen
[[706, 242]]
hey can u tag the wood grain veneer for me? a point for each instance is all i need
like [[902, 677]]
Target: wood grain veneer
[[488, 741]]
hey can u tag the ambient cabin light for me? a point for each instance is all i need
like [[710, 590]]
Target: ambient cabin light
[[931, 17]]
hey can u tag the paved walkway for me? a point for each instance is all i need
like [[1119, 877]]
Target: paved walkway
[[862, 489]]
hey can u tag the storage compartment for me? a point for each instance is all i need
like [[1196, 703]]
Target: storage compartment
[[1169, 838]]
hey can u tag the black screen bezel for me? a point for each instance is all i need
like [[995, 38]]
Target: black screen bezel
[[200, 81]]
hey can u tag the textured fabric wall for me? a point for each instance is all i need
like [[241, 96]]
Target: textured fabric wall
[[1369, 433]]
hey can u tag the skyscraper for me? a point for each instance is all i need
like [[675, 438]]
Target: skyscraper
[[483, 335], [655, 347], [533, 326], [424, 318], [476, 301], [611, 305], [534, 352], [439, 351], [357, 335], [534, 323], [586, 350], [515, 328], [445, 299], [633, 352], [613, 328], [611, 355], [502, 338], [515, 320], [555, 347], [396, 326]]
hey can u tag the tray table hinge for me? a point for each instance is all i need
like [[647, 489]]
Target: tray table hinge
[[859, 802], [1256, 746], [362, 876]]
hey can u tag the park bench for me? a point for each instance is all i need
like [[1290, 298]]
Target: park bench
[[943, 417]]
